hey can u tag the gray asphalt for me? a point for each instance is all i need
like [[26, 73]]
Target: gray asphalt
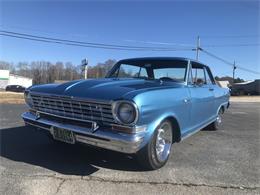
[[209, 162]]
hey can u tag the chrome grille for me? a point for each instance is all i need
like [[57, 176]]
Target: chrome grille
[[75, 109]]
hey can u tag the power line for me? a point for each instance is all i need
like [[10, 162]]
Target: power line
[[160, 43], [112, 46], [193, 46], [84, 44], [64, 43], [230, 36], [234, 45], [126, 40], [228, 63]]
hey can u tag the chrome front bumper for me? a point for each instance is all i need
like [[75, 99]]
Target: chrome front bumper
[[121, 142]]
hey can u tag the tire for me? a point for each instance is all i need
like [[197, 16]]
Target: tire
[[218, 122], [156, 153]]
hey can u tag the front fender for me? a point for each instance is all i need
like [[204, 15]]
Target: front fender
[[152, 126], [157, 105]]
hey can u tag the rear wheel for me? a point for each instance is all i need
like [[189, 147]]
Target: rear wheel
[[218, 122], [156, 153]]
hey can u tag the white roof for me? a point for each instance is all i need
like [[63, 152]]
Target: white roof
[[243, 83]]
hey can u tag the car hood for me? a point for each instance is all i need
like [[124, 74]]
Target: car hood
[[103, 89]]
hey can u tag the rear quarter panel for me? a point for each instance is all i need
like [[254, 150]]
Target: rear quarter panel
[[221, 96]]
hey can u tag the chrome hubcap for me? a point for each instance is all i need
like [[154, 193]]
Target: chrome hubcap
[[219, 120], [163, 142]]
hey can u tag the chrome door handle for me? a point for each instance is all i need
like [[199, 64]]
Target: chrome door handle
[[186, 100]]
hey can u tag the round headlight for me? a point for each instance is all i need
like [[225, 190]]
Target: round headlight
[[126, 112], [28, 98]]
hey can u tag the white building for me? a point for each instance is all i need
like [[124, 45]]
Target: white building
[[10, 79], [224, 84]]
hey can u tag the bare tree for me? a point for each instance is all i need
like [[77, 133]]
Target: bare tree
[[45, 72]]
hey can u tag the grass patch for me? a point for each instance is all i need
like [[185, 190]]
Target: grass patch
[[11, 98]]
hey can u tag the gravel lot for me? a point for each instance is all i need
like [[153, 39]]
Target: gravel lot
[[222, 162]]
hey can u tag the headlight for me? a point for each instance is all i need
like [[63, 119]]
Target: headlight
[[28, 98], [125, 112]]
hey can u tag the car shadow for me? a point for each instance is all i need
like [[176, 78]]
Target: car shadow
[[28, 145]]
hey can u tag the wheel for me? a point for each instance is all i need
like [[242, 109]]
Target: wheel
[[218, 122], [156, 153]]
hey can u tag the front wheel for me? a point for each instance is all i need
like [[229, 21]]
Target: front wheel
[[156, 153]]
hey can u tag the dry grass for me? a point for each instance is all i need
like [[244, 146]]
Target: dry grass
[[11, 98]]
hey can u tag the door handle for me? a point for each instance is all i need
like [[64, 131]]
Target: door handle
[[211, 89], [186, 100]]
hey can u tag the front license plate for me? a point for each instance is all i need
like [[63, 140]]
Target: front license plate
[[63, 135]]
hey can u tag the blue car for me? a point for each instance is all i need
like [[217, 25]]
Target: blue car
[[141, 107]]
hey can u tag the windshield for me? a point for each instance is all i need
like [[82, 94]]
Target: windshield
[[171, 70]]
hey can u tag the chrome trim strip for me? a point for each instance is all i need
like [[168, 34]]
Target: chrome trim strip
[[76, 119], [38, 126], [225, 104], [193, 132]]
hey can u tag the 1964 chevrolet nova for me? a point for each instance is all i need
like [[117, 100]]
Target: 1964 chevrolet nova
[[143, 106]]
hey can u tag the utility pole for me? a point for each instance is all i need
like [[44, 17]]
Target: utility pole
[[234, 68], [198, 48], [84, 67]]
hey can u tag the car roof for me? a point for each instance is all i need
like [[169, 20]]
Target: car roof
[[164, 58]]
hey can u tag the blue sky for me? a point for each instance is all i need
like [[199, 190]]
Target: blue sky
[[134, 23]]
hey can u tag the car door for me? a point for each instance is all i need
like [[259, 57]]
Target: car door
[[202, 97], [216, 93]]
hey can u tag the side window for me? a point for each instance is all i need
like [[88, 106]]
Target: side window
[[198, 76], [190, 79], [143, 73], [208, 79]]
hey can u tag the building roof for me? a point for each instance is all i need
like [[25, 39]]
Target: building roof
[[225, 84], [244, 83]]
